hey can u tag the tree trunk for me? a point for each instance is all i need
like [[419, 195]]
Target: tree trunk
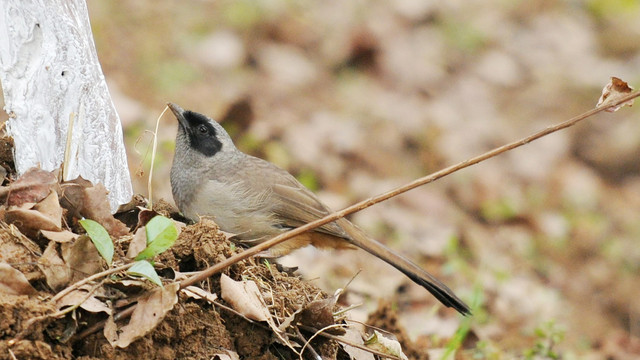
[[49, 72]]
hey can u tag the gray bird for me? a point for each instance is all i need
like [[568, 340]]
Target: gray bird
[[256, 200]]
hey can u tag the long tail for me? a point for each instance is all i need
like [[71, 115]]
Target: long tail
[[413, 271]]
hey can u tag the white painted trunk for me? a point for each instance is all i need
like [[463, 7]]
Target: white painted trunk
[[49, 70]]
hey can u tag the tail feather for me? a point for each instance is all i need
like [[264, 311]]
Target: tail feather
[[411, 270]]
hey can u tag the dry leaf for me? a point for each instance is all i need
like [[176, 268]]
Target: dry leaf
[[91, 304], [137, 203], [244, 297], [386, 345], [229, 355], [29, 221], [63, 236], [96, 207], [13, 282], [138, 243], [72, 196], [134, 284], [319, 314], [613, 91], [197, 293], [149, 312], [56, 272], [110, 331], [50, 207], [353, 336], [128, 213], [33, 186], [145, 215], [82, 258], [83, 199], [80, 181]]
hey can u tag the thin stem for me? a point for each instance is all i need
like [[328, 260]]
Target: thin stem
[[153, 158], [397, 191], [78, 284]]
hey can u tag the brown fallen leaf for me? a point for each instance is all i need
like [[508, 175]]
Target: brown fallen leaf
[[353, 336], [137, 201], [195, 292], [33, 186], [71, 195], [79, 297], [83, 199], [110, 331], [385, 344], [13, 282], [50, 207], [228, 355], [319, 314], [145, 215], [82, 258], [149, 312], [244, 297], [56, 272], [30, 218], [96, 207], [138, 243], [63, 236], [613, 91], [30, 221], [128, 213]]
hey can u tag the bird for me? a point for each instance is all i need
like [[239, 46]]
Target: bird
[[257, 200]]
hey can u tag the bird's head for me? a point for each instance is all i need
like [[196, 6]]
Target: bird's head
[[199, 133]]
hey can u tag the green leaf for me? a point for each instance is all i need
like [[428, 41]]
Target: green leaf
[[161, 234], [145, 269], [100, 238]]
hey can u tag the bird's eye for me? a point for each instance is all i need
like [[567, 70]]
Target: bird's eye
[[203, 129]]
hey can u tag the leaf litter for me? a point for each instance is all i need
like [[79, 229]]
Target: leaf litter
[[44, 250]]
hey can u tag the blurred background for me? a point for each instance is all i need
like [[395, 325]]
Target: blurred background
[[357, 97]]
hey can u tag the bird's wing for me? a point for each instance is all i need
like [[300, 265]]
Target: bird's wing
[[292, 203], [296, 206]]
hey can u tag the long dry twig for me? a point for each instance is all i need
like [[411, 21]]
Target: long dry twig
[[99, 275], [342, 340], [153, 158], [397, 191], [67, 147]]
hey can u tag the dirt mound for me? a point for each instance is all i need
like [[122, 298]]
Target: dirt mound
[[59, 298]]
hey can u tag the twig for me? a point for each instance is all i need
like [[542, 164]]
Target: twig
[[316, 333], [139, 169], [307, 344], [395, 192], [153, 158], [339, 339], [67, 147], [77, 285], [75, 306]]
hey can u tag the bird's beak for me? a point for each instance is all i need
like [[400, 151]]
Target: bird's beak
[[179, 114]]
